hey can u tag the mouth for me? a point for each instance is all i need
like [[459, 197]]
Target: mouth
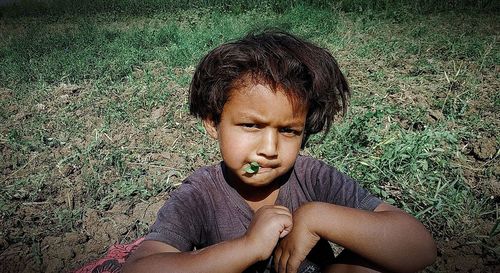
[[252, 168], [265, 169], [258, 168]]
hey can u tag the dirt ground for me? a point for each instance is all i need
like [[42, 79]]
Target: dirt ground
[[121, 224], [125, 221], [49, 250]]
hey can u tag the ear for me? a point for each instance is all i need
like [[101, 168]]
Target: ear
[[211, 127]]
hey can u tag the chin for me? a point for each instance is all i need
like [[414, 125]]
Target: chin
[[260, 183]]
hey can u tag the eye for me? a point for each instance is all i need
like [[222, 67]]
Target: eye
[[290, 131], [249, 125]]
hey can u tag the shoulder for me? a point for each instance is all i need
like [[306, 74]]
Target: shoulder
[[305, 160], [307, 165], [318, 175], [332, 186], [311, 174], [201, 181], [204, 176], [193, 195]]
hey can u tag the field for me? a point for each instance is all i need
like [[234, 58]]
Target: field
[[95, 131]]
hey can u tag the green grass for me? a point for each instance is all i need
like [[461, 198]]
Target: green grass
[[97, 105], [409, 168], [393, 7]]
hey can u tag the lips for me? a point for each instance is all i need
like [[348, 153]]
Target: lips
[[264, 170], [266, 167]]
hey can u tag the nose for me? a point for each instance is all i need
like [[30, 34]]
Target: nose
[[268, 146]]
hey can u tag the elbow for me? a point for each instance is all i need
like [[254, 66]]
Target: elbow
[[428, 250], [129, 266], [430, 253], [426, 256], [422, 255], [425, 249]]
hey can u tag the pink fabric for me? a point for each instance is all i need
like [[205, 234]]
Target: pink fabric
[[113, 261]]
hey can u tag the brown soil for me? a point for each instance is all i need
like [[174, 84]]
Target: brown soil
[[66, 251], [29, 244]]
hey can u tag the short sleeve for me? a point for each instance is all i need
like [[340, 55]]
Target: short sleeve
[[332, 186], [175, 223]]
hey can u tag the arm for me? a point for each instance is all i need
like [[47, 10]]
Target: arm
[[387, 236], [154, 256], [268, 225]]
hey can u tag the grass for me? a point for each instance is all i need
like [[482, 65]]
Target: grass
[[130, 7], [408, 168], [94, 108]]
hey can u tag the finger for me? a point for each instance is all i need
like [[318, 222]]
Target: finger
[[281, 207], [282, 211], [292, 265], [287, 229], [282, 264], [277, 256], [278, 207], [269, 210]]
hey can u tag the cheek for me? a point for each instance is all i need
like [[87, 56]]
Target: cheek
[[289, 150], [292, 150], [234, 145]]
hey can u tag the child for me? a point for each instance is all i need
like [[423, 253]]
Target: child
[[265, 207]]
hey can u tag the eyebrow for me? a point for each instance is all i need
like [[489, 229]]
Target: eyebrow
[[258, 118]]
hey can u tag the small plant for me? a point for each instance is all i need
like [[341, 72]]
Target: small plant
[[252, 167], [109, 145]]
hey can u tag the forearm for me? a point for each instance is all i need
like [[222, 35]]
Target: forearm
[[230, 256], [392, 239]]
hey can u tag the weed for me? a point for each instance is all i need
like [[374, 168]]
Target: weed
[[124, 134], [67, 219], [253, 167]]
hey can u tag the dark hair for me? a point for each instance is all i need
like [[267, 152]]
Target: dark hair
[[307, 73]]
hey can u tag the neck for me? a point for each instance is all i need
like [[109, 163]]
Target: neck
[[269, 200]]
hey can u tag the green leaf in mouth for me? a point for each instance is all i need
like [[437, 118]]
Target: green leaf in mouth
[[252, 167]]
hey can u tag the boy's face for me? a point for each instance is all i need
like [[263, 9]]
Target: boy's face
[[258, 125]]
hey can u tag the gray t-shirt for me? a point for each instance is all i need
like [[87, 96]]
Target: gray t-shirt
[[206, 210]]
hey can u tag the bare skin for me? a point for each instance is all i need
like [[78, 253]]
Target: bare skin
[[388, 238], [270, 223], [271, 133], [399, 243]]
